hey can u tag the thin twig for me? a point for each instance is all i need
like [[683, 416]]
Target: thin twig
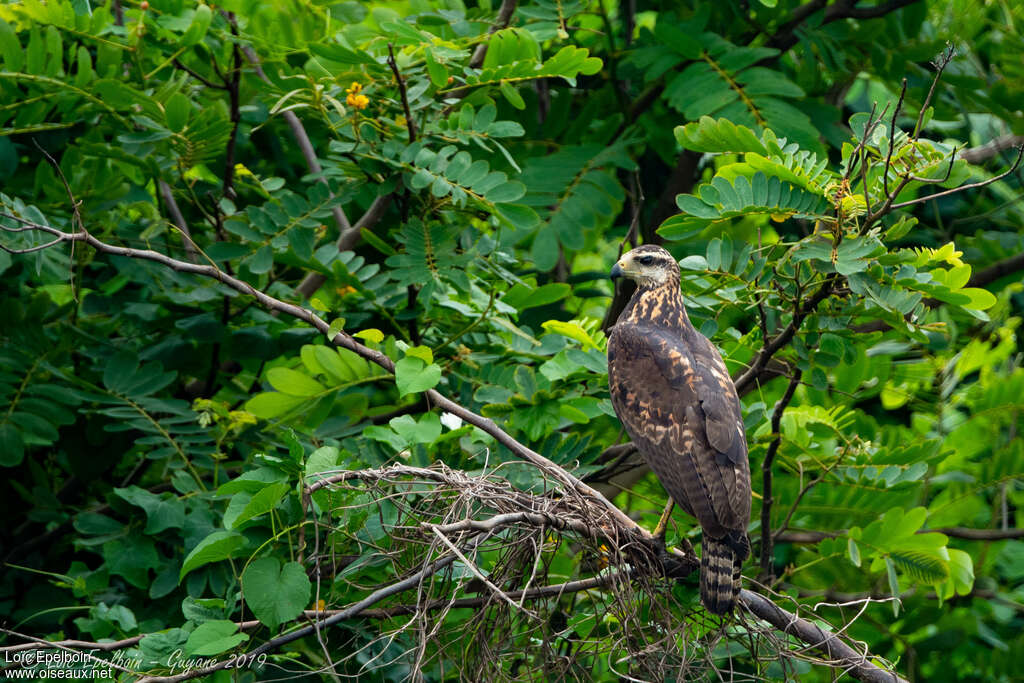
[[969, 186], [760, 362], [409, 121], [940, 64], [892, 137], [766, 473], [476, 571]]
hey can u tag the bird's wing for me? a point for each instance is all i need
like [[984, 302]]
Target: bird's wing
[[679, 406]]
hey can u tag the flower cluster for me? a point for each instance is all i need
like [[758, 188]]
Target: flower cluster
[[355, 99]]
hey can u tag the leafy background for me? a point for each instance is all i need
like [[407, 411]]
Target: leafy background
[[158, 428]]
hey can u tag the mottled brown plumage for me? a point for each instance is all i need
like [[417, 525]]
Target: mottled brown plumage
[[676, 400]]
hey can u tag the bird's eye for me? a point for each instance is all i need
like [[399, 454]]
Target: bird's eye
[[645, 260]]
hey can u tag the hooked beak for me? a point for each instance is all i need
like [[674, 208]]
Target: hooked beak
[[616, 272]]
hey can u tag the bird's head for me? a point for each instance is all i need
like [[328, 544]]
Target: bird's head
[[648, 266]]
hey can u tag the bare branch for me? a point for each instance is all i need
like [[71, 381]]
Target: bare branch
[[940, 64], [937, 181], [999, 269], [969, 186], [892, 138]]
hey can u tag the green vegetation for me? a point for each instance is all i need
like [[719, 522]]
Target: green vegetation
[[304, 310]]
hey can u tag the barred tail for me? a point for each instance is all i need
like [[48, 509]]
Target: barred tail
[[720, 563]]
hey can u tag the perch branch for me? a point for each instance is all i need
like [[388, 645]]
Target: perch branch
[[841, 655]]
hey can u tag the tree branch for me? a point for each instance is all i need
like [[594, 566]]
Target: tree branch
[[969, 186], [999, 269], [772, 346], [841, 655], [976, 155], [786, 37], [766, 473], [410, 123]]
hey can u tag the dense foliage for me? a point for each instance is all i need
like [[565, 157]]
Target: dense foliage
[[449, 185]]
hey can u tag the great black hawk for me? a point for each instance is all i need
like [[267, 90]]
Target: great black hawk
[[676, 400]]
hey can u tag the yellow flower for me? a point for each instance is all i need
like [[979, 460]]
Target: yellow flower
[[354, 89], [359, 102]]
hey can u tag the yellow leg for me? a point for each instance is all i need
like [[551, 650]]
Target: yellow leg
[[659, 531]]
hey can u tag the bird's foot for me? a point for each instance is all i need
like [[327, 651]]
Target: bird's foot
[[662, 528]]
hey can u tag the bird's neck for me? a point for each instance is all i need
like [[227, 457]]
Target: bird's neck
[[661, 304]]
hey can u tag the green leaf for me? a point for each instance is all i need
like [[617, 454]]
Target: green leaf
[[853, 551], [294, 383], [336, 326], [177, 110], [10, 48], [920, 566], [12, 448], [508, 192], [275, 593], [425, 430], [219, 545], [372, 335], [199, 26], [438, 74], [322, 459], [422, 352], [522, 296], [271, 404], [164, 511], [241, 510], [261, 261], [214, 637], [718, 135], [571, 329], [512, 95], [981, 299], [412, 375], [894, 585]]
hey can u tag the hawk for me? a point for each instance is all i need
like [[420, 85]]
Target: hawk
[[676, 400]]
